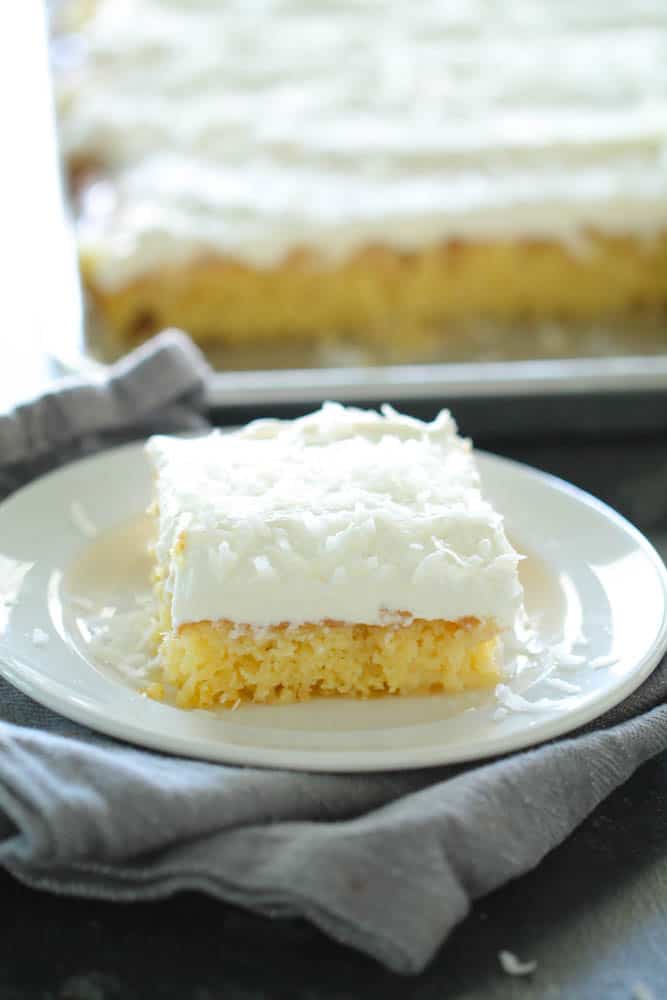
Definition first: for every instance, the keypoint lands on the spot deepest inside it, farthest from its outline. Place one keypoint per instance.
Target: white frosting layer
(249, 129)
(344, 514)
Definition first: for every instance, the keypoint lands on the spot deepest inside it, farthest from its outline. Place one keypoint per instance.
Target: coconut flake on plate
(558, 684)
(122, 639)
(81, 520)
(516, 702)
(599, 662)
(84, 603)
(39, 637)
(513, 965)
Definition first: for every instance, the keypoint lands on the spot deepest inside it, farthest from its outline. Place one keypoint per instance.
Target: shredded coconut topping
(344, 514)
(254, 128)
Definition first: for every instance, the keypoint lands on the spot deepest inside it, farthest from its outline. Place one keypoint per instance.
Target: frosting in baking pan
(250, 129)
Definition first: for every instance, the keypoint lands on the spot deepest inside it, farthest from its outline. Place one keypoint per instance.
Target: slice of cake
(348, 552)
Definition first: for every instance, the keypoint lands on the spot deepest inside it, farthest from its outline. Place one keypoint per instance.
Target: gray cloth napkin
(387, 863)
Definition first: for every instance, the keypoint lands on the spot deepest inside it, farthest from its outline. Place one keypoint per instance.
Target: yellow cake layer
(213, 663)
(383, 295)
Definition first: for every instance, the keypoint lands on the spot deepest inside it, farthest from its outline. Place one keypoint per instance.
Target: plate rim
(55, 695)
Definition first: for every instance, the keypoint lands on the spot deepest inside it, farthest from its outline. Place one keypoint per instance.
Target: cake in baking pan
(385, 171)
(347, 552)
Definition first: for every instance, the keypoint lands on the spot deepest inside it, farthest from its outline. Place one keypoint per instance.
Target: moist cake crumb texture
(214, 664)
(347, 552)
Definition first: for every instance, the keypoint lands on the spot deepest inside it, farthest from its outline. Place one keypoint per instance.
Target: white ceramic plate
(593, 584)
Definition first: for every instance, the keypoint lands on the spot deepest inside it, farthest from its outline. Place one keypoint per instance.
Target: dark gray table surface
(593, 914)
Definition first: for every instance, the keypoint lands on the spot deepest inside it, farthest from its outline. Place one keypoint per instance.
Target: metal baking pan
(624, 390)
